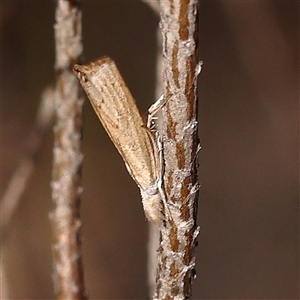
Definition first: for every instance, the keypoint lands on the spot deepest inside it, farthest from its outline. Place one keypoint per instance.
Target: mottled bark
(176, 258)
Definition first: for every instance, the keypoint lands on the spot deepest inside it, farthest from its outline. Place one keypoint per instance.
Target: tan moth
(119, 115)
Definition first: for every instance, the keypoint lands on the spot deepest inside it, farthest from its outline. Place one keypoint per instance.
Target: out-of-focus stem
(153, 241)
(18, 182)
(67, 157)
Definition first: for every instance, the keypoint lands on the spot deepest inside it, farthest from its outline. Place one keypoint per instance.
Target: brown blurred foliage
(249, 162)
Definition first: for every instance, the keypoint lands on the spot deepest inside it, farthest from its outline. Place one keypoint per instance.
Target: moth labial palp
(120, 116)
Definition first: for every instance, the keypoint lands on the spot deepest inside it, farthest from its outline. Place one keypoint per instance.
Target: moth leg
(157, 145)
(160, 173)
(157, 149)
(154, 108)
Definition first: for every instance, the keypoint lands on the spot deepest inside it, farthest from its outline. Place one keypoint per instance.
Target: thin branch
(11, 198)
(67, 156)
(153, 231)
(176, 257)
(153, 238)
(18, 182)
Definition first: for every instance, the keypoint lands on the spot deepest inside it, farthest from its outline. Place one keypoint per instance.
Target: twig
(176, 257)
(153, 230)
(154, 4)
(12, 195)
(67, 160)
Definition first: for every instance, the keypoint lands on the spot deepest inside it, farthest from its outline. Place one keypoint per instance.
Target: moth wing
(119, 114)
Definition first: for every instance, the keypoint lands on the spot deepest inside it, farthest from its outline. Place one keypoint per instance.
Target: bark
(176, 257)
(67, 160)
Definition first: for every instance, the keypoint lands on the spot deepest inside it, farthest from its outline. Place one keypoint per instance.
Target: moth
(120, 116)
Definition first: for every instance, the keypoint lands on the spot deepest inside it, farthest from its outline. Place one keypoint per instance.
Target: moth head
(82, 73)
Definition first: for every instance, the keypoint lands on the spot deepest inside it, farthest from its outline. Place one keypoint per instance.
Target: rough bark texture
(176, 258)
(66, 185)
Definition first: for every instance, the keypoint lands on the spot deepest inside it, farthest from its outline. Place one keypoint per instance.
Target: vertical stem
(67, 160)
(176, 257)
(153, 230)
(12, 196)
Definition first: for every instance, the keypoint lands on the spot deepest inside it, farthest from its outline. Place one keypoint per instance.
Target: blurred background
(249, 161)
